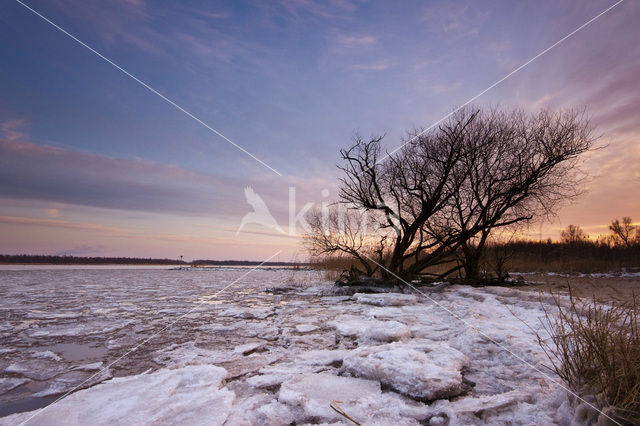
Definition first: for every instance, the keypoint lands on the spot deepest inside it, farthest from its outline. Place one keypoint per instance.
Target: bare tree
(573, 234)
(519, 167)
(341, 231)
(404, 194)
(442, 194)
(624, 233)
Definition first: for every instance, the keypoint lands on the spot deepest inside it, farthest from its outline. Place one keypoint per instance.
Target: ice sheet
(60, 327)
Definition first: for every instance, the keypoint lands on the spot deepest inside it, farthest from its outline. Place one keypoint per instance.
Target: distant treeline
(584, 256)
(577, 256)
(26, 259)
(205, 262)
(76, 260)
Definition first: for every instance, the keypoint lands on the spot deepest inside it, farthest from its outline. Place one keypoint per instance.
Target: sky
(93, 163)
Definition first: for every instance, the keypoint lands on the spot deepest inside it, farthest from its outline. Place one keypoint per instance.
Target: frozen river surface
(246, 356)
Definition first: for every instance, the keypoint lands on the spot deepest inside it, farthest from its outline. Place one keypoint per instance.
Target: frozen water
(70, 380)
(306, 328)
(419, 369)
(247, 348)
(370, 329)
(312, 394)
(89, 367)
(46, 355)
(190, 395)
(260, 409)
(93, 327)
(386, 299)
(59, 327)
(322, 357)
(35, 369)
(9, 383)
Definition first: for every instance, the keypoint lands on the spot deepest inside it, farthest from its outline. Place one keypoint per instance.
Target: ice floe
(312, 394)
(10, 383)
(189, 395)
(370, 329)
(306, 328)
(46, 355)
(386, 299)
(419, 369)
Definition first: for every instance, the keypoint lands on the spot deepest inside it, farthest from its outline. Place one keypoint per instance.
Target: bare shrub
(595, 349)
(573, 234)
(624, 233)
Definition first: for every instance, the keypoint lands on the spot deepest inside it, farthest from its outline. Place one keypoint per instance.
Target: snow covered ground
(249, 357)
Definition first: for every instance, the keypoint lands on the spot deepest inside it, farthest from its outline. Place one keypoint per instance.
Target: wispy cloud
(57, 223)
(82, 250)
(370, 67)
(13, 129)
(52, 212)
(40, 172)
(355, 42)
(455, 21)
(333, 9)
(214, 15)
(99, 229)
(30, 171)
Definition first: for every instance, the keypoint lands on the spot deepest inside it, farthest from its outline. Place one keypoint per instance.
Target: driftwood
(349, 288)
(373, 285)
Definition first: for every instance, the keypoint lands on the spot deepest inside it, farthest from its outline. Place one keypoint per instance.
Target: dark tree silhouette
(573, 234)
(447, 189)
(624, 233)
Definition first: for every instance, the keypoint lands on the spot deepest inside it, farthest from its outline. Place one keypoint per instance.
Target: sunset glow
(92, 163)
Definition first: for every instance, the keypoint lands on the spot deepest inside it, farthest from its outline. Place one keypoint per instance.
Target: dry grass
(595, 349)
(333, 266)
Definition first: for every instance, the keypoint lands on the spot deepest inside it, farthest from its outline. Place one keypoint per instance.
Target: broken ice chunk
(386, 299)
(418, 369)
(189, 395)
(10, 383)
(314, 392)
(46, 355)
(306, 328)
(370, 329)
(247, 348)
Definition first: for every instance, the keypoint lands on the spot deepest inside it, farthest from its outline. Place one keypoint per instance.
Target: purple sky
(93, 163)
